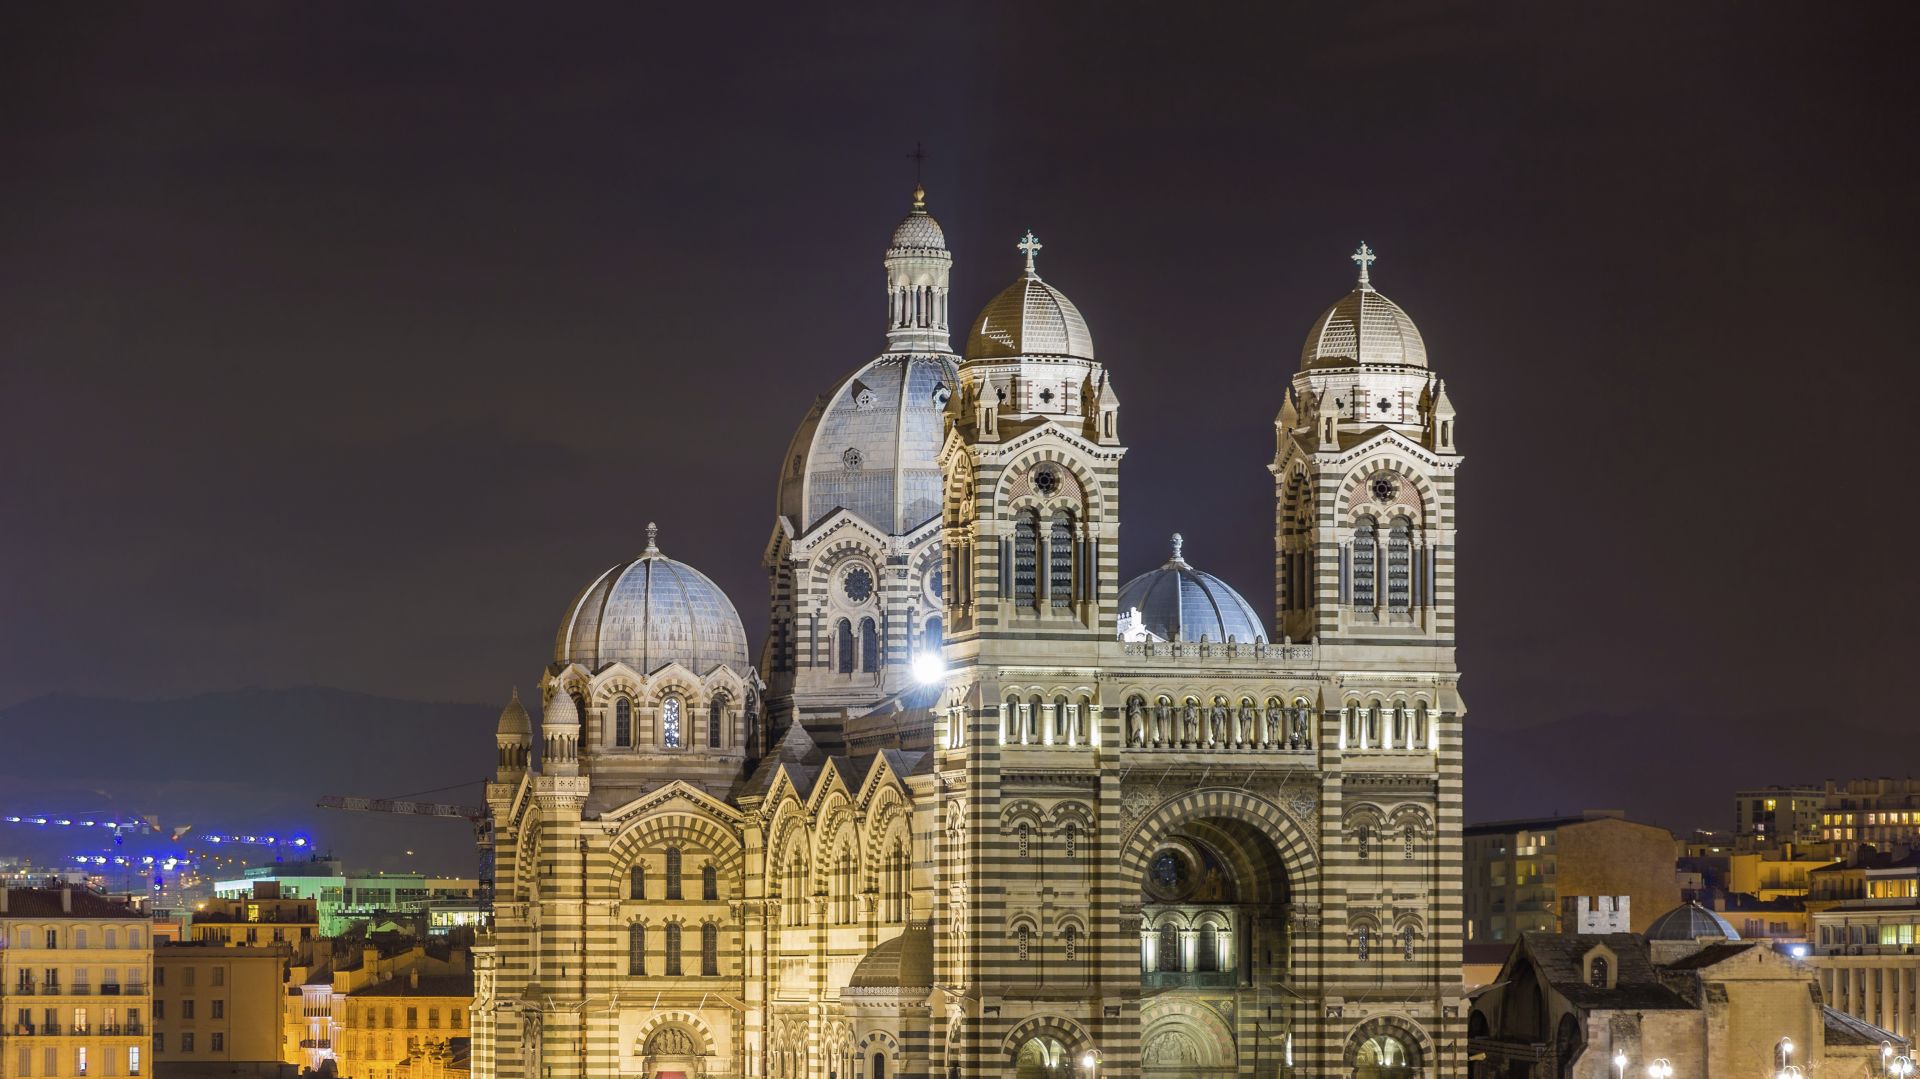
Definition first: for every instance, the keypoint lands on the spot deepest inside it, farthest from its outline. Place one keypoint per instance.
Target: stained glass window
(1363, 558)
(1399, 567)
(1026, 542)
(670, 728)
(1060, 562)
(622, 722)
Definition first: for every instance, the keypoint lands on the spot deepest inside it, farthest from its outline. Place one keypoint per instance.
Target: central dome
(650, 612)
(1030, 318)
(1363, 327)
(1179, 603)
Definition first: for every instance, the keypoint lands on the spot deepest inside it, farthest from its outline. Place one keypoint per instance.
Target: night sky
(341, 344)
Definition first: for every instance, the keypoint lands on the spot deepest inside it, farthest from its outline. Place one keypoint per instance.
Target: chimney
(4, 892)
(66, 899)
(413, 978)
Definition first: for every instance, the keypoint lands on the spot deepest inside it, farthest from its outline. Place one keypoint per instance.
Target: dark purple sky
(340, 344)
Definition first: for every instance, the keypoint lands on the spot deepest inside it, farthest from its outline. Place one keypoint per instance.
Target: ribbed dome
(561, 711)
(905, 961)
(1364, 327)
(650, 612)
(513, 718)
(1179, 603)
(1030, 318)
(1691, 921)
(871, 446)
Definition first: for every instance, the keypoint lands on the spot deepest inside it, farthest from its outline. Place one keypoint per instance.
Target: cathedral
(979, 808)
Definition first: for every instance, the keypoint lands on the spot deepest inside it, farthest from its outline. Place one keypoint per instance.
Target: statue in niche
(1190, 722)
(1249, 722)
(1273, 724)
(1136, 722)
(1163, 722)
(1217, 732)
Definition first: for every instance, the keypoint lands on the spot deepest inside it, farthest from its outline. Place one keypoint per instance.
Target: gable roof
(1560, 959)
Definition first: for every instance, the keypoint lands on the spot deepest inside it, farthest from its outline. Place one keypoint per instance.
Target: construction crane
(479, 818)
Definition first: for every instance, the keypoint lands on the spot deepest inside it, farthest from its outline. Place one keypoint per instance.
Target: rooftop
(64, 903)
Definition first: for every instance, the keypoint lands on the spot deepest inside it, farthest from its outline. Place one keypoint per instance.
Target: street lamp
(1791, 1071)
(1661, 1068)
(1620, 1065)
(1090, 1061)
(1901, 1066)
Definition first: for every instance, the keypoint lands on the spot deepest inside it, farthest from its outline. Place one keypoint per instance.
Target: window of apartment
(159, 1008)
(219, 1010)
(187, 976)
(186, 1041)
(159, 975)
(50, 1062)
(219, 1041)
(25, 1066)
(186, 1010)
(159, 1042)
(219, 975)
(80, 1060)
(133, 1060)
(53, 938)
(453, 1018)
(413, 1018)
(433, 1019)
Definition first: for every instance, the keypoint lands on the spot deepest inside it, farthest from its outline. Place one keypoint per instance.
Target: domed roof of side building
(871, 446)
(513, 718)
(905, 961)
(1691, 921)
(1179, 603)
(1029, 318)
(1363, 327)
(650, 612)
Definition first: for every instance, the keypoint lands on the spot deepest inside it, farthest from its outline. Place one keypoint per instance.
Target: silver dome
(1691, 921)
(871, 446)
(919, 232)
(1179, 603)
(650, 612)
(1363, 327)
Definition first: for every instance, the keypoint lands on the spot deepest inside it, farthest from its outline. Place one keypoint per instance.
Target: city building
(341, 898)
(1876, 812)
(215, 1001)
(951, 823)
(1687, 998)
(1865, 937)
(365, 1009)
(74, 971)
(262, 917)
(1766, 817)
(1518, 871)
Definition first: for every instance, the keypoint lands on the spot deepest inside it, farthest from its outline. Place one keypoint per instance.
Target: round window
(1046, 481)
(858, 584)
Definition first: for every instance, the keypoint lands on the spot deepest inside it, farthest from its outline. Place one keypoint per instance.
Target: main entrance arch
(1217, 870)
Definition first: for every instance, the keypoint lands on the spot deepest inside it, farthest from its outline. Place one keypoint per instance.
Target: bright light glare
(929, 668)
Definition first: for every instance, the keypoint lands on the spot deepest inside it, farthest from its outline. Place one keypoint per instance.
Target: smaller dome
(513, 718)
(561, 711)
(1691, 921)
(1179, 603)
(650, 612)
(905, 961)
(1363, 327)
(1030, 318)
(919, 231)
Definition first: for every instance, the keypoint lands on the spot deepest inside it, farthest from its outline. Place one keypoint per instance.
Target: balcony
(23, 989)
(25, 1030)
(316, 1043)
(1188, 979)
(109, 989)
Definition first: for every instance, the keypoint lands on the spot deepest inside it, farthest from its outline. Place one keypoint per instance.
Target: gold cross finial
(1365, 257)
(1031, 245)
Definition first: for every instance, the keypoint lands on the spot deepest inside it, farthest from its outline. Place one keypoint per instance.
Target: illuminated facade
(956, 819)
(74, 972)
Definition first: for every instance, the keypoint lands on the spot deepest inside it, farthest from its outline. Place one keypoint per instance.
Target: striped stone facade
(1161, 858)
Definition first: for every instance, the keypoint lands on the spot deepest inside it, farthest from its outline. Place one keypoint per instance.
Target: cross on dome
(1031, 245)
(1365, 257)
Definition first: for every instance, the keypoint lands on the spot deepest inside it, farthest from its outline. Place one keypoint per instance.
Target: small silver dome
(1179, 603)
(919, 231)
(650, 612)
(1030, 318)
(1691, 921)
(872, 446)
(560, 711)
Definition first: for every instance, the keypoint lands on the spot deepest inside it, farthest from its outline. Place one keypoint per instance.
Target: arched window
(796, 889)
(1010, 722)
(673, 949)
(1025, 942)
(879, 1066)
(716, 717)
(636, 949)
(843, 650)
(673, 872)
(1400, 566)
(1364, 549)
(869, 646)
(1209, 949)
(1362, 836)
(1382, 1057)
(637, 881)
(1072, 838)
(935, 636)
(1406, 942)
(110, 938)
(622, 722)
(1026, 543)
(1071, 939)
(1361, 939)
(709, 882)
(1060, 561)
(672, 730)
(710, 950)
(1597, 972)
(1062, 715)
(1169, 948)
(1026, 835)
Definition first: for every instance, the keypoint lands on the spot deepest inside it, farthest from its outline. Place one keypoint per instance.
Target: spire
(653, 535)
(1031, 245)
(1366, 258)
(1178, 543)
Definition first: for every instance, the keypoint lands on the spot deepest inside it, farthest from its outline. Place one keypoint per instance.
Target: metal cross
(919, 158)
(1031, 245)
(1365, 257)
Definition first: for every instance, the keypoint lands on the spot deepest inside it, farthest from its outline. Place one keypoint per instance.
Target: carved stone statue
(1273, 724)
(1190, 722)
(1136, 723)
(1218, 727)
(1249, 724)
(1162, 722)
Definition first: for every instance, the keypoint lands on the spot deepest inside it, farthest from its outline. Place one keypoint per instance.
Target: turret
(918, 267)
(513, 738)
(560, 728)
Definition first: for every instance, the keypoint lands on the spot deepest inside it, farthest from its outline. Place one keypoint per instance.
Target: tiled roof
(47, 903)
(1559, 957)
(431, 985)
